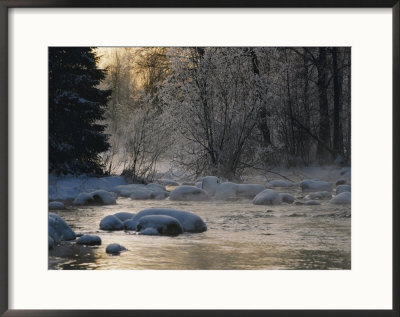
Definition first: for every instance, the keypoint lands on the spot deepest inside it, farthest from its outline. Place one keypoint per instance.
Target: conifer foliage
(76, 109)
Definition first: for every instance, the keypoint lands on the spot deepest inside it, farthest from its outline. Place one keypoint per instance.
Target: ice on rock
(161, 225)
(59, 230)
(287, 198)
(249, 190)
(189, 221)
(341, 199)
(280, 183)
(319, 195)
(124, 215)
(315, 185)
(210, 184)
(115, 249)
(55, 205)
(168, 182)
(88, 239)
(98, 197)
(268, 197)
(342, 189)
(111, 223)
(188, 193)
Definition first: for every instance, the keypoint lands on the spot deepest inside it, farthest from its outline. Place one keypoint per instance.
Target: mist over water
(240, 236)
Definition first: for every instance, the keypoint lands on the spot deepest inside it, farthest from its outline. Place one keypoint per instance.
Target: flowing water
(240, 236)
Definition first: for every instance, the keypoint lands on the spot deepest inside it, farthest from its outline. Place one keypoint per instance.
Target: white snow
(97, 197)
(210, 184)
(249, 190)
(59, 230)
(287, 198)
(280, 183)
(140, 191)
(163, 225)
(319, 195)
(188, 193)
(267, 197)
(226, 190)
(124, 216)
(315, 185)
(88, 239)
(189, 221)
(54, 205)
(68, 187)
(342, 189)
(312, 202)
(115, 249)
(341, 199)
(111, 223)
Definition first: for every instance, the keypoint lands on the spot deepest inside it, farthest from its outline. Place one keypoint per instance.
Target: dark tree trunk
(337, 104)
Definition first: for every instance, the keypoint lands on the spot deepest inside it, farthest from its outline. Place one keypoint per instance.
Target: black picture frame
(5, 5)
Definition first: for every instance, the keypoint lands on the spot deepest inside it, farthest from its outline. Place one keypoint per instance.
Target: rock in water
(89, 240)
(188, 193)
(267, 197)
(59, 230)
(189, 221)
(342, 199)
(111, 223)
(162, 225)
(115, 249)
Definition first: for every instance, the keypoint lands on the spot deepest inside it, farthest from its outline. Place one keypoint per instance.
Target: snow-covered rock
(149, 193)
(280, 183)
(287, 198)
(199, 184)
(226, 191)
(315, 185)
(312, 203)
(189, 183)
(111, 223)
(124, 215)
(342, 189)
(188, 193)
(268, 197)
(168, 182)
(88, 239)
(319, 195)
(98, 197)
(130, 224)
(249, 190)
(341, 181)
(156, 187)
(189, 221)
(127, 190)
(341, 199)
(55, 205)
(115, 249)
(162, 225)
(210, 184)
(51, 243)
(59, 230)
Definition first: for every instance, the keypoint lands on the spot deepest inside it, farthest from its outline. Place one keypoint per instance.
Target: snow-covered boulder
(341, 199)
(88, 239)
(59, 230)
(226, 191)
(168, 182)
(51, 243)
(56, 205)
(319, 195)
(210, 184)
(115, 249)
(267, 197)
(342, 189)
(189, 221)
(188, 193)
(124, 215)
(280, 183)
(155, 186)
(287, 198)
(111, 223)
(189, 183)
(341, 181)
(315, 185)
(249, 190)
(130, 224)
(159, 225)
(199, 184)
(127, 190)
(149, 193)
(312, 203)
(98, 197)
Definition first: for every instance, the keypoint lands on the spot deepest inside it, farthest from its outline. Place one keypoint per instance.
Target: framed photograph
(184, 159)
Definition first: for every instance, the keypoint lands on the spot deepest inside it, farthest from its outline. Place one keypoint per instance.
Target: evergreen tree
(76, 108)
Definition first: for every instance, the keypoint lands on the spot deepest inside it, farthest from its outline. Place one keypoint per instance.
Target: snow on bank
(69, 187)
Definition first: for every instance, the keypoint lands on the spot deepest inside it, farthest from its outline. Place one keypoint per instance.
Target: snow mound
(127, 190)
(59, 230)
(156, 186)
(98, 197)
(189, 221)
(341, 199)
(188, 193)
(312, 203)
(54, 205)
(268, 197)
(319, 195)
(130, 224)
(162, 225)
(199, 184)
(226, 191)
(341, 181)
(342, 189)
(249, 190)
(210, 184)
(315, 185)
(287, 198)
(51, 243)
(111, 223)
(115, 249)
(88, 239)
(280, 183)
(142, 194)
(124, 215)
(168, 182)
